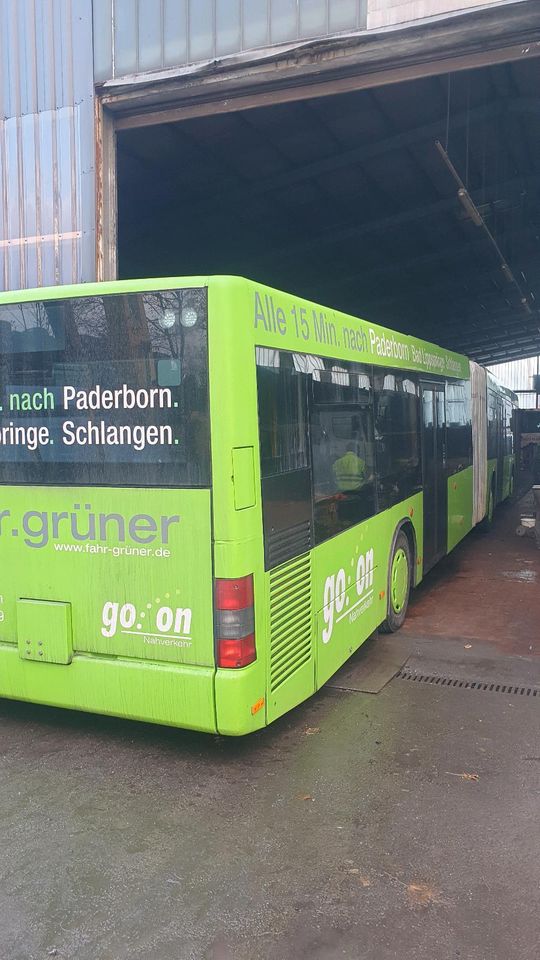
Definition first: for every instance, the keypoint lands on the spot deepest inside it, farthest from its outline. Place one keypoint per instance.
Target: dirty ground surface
(487, 589)
(402, 824)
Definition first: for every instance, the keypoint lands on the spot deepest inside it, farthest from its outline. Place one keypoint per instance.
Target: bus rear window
(109, 390)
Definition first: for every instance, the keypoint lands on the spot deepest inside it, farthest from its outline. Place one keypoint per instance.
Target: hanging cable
(473, 212)
(449, 75)
(467, 128)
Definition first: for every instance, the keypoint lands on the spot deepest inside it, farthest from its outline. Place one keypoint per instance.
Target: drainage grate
(490, 687)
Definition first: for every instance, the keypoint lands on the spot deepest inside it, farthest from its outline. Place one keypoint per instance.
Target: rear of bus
(107, 593)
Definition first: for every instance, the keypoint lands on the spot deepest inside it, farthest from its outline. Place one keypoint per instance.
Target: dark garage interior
(348, 201)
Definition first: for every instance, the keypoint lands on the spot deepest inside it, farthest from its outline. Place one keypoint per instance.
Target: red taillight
(234, 594)
(235, 624)
(236, 653)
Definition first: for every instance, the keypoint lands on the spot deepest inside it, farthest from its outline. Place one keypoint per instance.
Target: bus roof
(384, 346)
(61, 292)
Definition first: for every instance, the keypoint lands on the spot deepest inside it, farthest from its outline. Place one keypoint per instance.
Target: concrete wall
(385, 13)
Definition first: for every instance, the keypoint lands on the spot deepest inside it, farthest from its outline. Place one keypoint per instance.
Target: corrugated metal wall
(134, 36)
(517, 375)
(47, 181)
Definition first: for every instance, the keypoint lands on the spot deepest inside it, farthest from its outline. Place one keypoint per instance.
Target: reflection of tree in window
(107, 342)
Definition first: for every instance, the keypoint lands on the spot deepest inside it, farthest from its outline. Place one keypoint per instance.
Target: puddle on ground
(523, 576)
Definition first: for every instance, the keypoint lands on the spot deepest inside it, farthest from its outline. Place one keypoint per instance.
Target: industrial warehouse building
(380, 156)
(213, 493)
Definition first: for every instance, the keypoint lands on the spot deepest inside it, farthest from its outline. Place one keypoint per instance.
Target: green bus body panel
(286, 322)
(165, 581)
(363, 554)
(340, 620)
(119, 600)
(240, 697)
(460, 506)
(508, 475)
(155, 692)
(132, 632)
(243, 465)
(279, 319)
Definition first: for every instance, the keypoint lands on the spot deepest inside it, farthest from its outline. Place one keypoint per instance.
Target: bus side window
(285, 461)
(509, 436)
(397, 436)
(342, 443)
(130, 374)
(458, 425)
(493, 425)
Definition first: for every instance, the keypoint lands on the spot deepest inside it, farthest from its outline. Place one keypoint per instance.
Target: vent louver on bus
(290, 619)
(282, 545)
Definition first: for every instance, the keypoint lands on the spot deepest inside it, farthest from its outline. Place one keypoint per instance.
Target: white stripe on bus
(364, 596)
(167, 636)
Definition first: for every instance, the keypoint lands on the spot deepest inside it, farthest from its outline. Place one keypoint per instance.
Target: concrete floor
(366, 827)
(487, 589)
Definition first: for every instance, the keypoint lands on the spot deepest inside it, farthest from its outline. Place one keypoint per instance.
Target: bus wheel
(399, 584)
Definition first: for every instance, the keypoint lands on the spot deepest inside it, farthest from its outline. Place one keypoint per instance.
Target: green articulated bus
(213, 492)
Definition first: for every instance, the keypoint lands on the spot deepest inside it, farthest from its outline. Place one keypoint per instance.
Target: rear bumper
(171, 694)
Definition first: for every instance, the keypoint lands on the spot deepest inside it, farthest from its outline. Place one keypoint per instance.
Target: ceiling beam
(485, 338)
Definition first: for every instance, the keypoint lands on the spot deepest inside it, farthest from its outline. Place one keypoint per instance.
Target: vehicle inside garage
(415, 205)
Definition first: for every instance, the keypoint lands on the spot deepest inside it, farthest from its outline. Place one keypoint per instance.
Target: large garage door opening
(414, 205)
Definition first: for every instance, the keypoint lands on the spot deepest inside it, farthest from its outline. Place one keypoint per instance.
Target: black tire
(395, 618)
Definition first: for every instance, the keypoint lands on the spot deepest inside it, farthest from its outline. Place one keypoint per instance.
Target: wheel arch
(395, 617)
(406, 525)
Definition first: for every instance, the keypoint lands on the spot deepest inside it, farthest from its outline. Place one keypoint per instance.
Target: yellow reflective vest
(349, 472)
